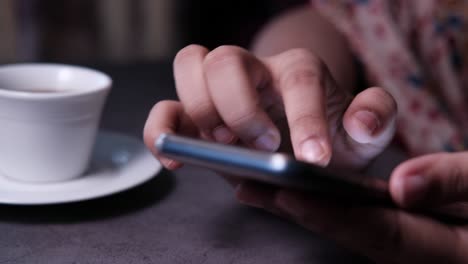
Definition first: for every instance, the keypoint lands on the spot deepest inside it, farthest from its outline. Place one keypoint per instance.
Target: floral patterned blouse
(418, 51)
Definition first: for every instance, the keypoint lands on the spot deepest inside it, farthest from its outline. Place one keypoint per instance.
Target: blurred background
(124, 31)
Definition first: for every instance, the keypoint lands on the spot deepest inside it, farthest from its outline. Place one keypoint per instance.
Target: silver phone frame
(273, 168)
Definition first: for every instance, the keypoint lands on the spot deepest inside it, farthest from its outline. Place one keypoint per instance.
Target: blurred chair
(8, 31)
(90, 30)
(136, 29)
(125, 30)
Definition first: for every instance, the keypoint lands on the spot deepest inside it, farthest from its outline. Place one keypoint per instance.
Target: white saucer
(118, 163)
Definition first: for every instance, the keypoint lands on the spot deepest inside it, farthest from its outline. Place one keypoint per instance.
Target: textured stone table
(189, 216)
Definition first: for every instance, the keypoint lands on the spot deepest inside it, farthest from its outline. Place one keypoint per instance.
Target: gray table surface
(187, 216)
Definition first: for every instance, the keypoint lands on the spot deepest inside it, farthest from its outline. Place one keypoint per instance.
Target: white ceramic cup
(49, 117)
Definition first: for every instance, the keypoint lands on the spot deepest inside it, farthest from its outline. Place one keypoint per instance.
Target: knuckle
(384, 97)
(300, 54)
(162, 105)
(202, 112)
(242, 118)
(199, 111)
(223, 55)
(189, 52)
(300, 77)
(306, 127)
(313, 122)
(301, 67)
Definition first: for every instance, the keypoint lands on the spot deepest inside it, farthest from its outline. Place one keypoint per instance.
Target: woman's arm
(303, 27)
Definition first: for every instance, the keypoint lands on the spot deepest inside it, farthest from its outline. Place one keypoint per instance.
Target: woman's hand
(288, 101)
(437, 182)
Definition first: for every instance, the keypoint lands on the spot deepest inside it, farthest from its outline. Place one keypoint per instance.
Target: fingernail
(268, 141)
(169, 163)
(223, 134)
(414, 189)
(313, 151)
(369, 121)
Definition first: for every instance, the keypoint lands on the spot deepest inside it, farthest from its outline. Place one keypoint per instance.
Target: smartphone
(274, 168)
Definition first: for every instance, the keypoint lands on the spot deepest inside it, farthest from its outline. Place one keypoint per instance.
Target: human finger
(234, 77)
(369, 126)
(304, 81)
(436, 179)
(193, 93)
(167, 117)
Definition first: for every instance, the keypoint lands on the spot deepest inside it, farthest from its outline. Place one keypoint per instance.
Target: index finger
(304, 83)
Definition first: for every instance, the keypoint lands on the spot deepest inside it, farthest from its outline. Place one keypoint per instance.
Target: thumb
(436, 179)
(369, 125)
